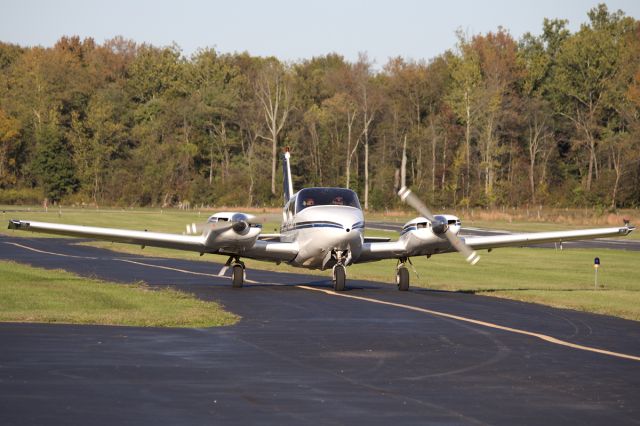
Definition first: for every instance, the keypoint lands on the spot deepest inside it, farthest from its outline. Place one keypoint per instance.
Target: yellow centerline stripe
(544, 337)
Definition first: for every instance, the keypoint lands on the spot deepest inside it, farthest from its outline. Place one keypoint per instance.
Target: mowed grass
(154, 220)
(563, 279)
(29, 294)
(557, 278)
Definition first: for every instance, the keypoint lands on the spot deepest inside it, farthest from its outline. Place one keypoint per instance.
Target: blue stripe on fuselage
(312, 224)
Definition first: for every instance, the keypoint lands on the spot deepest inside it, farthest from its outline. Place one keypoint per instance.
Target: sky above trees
(289, 29)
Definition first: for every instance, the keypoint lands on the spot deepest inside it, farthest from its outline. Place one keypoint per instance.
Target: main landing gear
(402, 275)
(238, 274)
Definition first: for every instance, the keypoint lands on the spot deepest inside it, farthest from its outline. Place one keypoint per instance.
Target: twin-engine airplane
(322, 228)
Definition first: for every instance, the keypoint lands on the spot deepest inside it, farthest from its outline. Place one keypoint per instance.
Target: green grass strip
(29, 294)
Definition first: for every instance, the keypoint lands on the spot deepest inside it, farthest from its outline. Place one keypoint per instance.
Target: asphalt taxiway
(304, 355)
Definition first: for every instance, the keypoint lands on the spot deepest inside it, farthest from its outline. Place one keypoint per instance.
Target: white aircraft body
(322, 228)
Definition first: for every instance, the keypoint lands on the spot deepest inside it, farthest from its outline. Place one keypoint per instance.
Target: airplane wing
(143, 238)
(527, 239)
(269, 237)
(413, 244)
(376, 239)
(226, 240)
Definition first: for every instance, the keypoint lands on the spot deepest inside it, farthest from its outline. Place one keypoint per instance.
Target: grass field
(556, 278)
(30, 294)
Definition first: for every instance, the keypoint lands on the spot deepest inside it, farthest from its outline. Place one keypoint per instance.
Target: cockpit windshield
(326, 197)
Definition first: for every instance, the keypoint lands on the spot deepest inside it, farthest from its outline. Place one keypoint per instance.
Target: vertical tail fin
(286, 171)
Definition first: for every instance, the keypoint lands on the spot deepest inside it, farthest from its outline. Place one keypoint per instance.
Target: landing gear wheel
(339, 278)
(402, 278)
(238, 276)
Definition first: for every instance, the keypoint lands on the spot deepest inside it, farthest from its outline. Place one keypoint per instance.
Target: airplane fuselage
(325, 232)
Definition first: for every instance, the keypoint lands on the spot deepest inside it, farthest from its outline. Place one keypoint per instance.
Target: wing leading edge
(527, 239)
(212, 242)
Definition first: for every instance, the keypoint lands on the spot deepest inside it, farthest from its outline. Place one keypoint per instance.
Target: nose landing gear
(339, 271)
(339, 277)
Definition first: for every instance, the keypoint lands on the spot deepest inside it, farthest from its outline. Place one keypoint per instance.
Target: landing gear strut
(402, 275)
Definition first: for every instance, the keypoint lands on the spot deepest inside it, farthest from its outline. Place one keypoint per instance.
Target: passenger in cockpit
(338, 201)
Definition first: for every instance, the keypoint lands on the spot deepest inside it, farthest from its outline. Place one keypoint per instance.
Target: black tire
(340, 278)
(238, 276)
(402, 278)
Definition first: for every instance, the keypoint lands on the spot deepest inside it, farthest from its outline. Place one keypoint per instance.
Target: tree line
(550, 119)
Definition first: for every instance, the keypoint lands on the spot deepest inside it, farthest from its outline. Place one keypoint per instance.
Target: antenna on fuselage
(286, 171)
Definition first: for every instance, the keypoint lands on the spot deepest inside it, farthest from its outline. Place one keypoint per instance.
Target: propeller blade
(467, 252)
(410, 198)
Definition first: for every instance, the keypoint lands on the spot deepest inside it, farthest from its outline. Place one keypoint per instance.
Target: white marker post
(596, 265)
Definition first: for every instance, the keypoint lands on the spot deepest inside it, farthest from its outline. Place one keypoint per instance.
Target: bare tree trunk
(616, 157)
(433, 161)
(211, 165)
(273, 93)
(584, 123)
(534, 143)
(274, 160)
(315, 152)
(251, 178)
(351, 117)
(444, 162)
(365, 131)
(366, 169)
(403, 164)
(488, 158)
(467, 137)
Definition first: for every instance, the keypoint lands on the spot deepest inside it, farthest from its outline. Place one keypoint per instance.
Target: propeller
(438, 226)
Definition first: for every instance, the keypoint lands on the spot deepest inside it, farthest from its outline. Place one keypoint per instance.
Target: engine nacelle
(422, 237)
(230, 217)
(438, 227)
(452, 222)
(231, 231)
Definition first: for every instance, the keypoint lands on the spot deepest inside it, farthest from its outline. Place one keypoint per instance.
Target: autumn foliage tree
(552, 119)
